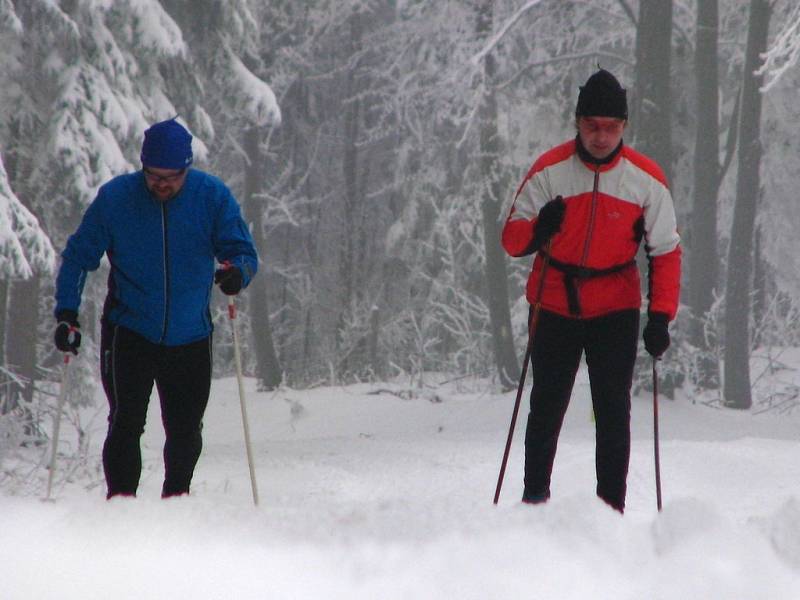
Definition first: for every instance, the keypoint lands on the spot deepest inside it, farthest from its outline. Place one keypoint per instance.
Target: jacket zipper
(166, 270)
(591, 217)
(587, 243)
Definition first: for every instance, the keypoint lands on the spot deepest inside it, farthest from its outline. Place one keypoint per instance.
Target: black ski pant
(610, 343)
(182, 374)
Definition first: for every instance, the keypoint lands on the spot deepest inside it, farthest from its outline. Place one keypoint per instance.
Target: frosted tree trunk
(761, 285)
(652, 97)
(737, 392)
(351, 165)
(650, 107)
(4, 340)
(268, 368)
(496, 270)
(703, 270)
(346, 231)
(23, 323)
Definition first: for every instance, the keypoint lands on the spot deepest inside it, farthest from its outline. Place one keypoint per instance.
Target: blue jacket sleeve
(232, 239)
(83, 252)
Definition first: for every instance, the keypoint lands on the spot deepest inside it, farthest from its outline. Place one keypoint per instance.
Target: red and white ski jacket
(608, 209)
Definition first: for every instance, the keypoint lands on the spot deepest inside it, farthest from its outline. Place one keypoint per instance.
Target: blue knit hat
(167, 145)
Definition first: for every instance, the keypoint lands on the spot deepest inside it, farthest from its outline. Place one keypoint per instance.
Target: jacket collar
(598, 164)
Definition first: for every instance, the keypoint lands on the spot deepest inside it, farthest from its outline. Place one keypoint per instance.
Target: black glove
(68, 331)
(548, 222)
(229, 279)
(656, 334)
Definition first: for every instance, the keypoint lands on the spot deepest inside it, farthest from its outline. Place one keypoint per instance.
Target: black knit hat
(602, 96)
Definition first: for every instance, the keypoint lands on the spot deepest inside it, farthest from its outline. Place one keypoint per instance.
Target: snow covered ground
(374, 496)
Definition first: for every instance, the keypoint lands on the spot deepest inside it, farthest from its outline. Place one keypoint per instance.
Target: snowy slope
(375, 496)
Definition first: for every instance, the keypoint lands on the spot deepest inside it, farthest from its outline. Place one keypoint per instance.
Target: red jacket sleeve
(517, 237)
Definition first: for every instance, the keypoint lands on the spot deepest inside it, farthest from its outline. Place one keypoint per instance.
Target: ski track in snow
(373, 496)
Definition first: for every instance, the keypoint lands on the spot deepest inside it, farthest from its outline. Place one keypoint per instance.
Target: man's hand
(67, 335)
(229, 279)
(548, 222)
(656, 334)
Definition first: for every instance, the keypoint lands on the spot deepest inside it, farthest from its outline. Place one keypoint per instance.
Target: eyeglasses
(607, 126)
(155, 178)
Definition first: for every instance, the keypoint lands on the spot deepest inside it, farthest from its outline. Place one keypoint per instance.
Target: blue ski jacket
(161, 254)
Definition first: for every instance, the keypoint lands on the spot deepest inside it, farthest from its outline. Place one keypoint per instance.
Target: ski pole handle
(231, 308)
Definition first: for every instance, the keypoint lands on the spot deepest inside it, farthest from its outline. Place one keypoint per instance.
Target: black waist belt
(575, 273)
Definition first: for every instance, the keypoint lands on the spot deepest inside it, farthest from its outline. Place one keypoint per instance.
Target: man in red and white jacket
(585, 207)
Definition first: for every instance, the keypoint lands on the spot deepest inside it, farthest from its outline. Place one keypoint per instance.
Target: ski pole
(528, 351)
(245, 424)
(655, 433)
(62, 395)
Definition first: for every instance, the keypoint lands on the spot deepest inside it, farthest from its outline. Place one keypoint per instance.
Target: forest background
(375, 146)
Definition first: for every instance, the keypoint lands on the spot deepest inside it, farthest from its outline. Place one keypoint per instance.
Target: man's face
(164, 184)
(600, 135)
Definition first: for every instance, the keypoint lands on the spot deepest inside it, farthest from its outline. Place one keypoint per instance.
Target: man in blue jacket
(162, 228)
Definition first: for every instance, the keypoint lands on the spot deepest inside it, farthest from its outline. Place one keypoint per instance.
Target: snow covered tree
(492, 201)
(84, 84)
(329, 181)
(784, 51)
(24, 246)
(404, 126)
(24, 250)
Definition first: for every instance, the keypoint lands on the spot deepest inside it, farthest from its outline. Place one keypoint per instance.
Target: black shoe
(530, 498)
